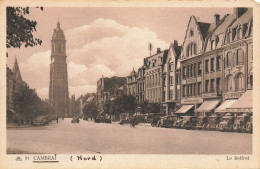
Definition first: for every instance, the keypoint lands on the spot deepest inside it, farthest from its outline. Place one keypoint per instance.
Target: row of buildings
(212, 71)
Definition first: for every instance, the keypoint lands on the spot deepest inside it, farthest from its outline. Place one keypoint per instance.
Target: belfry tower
(58, 89)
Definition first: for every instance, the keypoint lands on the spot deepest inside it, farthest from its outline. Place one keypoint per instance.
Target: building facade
(58, 87)
(105, 86)
(154, 76)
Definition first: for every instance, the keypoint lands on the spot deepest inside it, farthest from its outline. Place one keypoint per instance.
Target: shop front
(223, 108)
(185, 110)
(207, 107)
(243, 105)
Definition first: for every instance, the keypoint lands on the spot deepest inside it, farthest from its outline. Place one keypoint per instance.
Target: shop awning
(184, 109)
(208, 105)
(226, 104)
(243, 104)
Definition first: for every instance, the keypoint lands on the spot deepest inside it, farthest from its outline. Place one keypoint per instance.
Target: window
(177, 79)
(229, 83)
(191, 70)
(228, 60)
(206, 66)
(183, 90)
(245, 27)
(228, 36)
(199, 68)
(194, 89)
(195, 48)
(212, 44)
(212, 64)
(188, 90)
(171, 80)
(240, 57)
(240, 82)
(184, 72)
(218, 85)
(191, 88)
(212, 84)
(188, 51)
(238, 33)
(188, 71)
(191, 33)
(251, 80)
(199, 88)
(194, 69)
(233, 34)
(206, 86)
(171, 94)
(218, 63)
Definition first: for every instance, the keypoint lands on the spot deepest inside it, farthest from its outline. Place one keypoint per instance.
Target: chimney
(239, 12)
(175, 43)
(217, 17)
(158, 50)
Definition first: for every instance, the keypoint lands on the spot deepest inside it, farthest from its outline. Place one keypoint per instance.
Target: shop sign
(192, 80)
(232, 95)
(192, 100)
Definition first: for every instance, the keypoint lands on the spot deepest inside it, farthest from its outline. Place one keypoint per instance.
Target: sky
(102, 41)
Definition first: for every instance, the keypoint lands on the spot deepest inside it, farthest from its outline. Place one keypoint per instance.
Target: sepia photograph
(128, 81)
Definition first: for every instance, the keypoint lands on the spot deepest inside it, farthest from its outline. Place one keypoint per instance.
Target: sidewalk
(14, 125)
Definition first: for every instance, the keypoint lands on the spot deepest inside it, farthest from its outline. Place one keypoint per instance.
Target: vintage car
(168, 121)
(178, 122)
(40, 121)
(124, 121)
(213, 122)
(240, 123)
(189, 122)
(154, 118)
(102, 119)
(249, 125)
(202, 122)
(226, 123)
(75, 120)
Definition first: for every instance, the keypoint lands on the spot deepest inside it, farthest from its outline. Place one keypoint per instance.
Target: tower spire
(58, 25)
(16, 70)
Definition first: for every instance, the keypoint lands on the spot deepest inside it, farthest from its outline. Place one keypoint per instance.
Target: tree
(90, 110)
(20, 29)
(125, 104)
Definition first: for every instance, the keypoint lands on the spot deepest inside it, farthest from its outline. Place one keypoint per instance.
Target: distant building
(72, 107)
(105, 86)
(132, 84)
(13, 82)
(58, 88)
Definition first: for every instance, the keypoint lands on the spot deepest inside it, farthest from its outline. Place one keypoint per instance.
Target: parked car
(154, 118)
(102, 119)
(213, 122)
(189, 122)
(124, 121)
(40, 121)
(202, 122)
(168, 121)
(249, 125)
(240, 123)
(227, 123)
(178, 122)
(75, 120)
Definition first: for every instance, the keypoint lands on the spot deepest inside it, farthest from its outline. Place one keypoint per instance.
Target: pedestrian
(57, 119)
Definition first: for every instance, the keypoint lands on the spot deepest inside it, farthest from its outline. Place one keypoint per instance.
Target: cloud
(103, 47)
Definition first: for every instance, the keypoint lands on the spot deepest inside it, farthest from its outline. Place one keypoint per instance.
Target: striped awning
(208, 105)
(226, 104)
(184, 109)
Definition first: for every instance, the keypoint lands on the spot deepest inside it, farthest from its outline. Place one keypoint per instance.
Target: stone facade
(105, 86)
(58, 88)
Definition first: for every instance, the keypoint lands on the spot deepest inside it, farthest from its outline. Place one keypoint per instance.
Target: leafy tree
(125, 104)
(20, 29)
(90, 110)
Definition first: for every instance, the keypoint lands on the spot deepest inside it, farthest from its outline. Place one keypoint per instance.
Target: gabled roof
(243, 18)
(132, 73)
(204, 28)
(16, 71)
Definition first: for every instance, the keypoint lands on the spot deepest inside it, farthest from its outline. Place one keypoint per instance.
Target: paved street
(90, 137)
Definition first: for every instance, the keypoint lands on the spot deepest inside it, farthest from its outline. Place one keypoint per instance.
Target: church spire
(16, 70)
